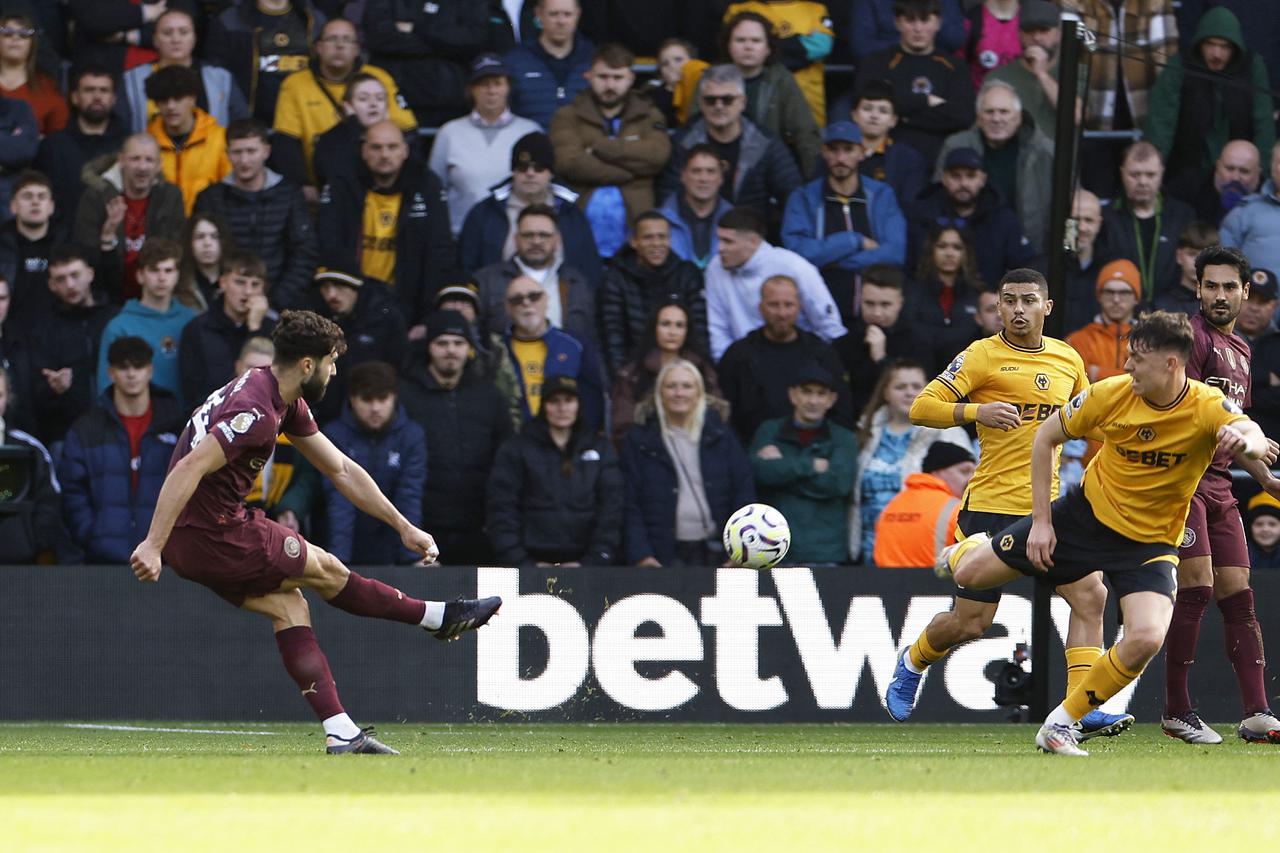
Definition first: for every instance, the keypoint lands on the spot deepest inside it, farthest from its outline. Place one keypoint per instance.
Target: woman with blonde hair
(685, 473)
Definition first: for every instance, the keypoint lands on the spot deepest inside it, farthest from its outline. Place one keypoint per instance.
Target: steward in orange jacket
(921, 519)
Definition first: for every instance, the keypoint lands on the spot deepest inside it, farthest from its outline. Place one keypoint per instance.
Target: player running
(1160, 431)
(1214, 559)
(202, 528)
(1013, 381)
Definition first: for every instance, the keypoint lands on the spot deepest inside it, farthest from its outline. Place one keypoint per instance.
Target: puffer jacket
(556, 506)
(536, 91)
(766, 169)
(632, 291)
(202, 160)
(993, 228)
(31, 527)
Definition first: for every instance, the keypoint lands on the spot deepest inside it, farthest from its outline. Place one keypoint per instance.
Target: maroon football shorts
(250, 559)
(1214, 529)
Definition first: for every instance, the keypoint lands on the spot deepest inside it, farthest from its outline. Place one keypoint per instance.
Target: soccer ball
(757, 537)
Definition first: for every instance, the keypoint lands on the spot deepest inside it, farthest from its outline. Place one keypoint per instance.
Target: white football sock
(1059, 716)
(340, 725)
(433, 618)
(906, 661)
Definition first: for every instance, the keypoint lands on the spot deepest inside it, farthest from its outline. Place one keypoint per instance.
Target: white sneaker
(1059, 740)
(1261, 727)
(1188, 727)
(942, 565)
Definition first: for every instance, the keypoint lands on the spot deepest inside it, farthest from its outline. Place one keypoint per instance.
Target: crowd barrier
(581, 644)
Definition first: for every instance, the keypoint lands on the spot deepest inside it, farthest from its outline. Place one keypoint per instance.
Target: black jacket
(30, 297)
(465, 426)
(1119, 239)
(1265, 397)
(577, 299)
(993, 229)
(632, 291)
(424, 243)
(63, 155)
(32, 524)
(944, 336)
(336, 153)
(902, 340)
(207, 353)
(96, 21)
(232, 42)
(68, 337)
(552, 505)
(275, 224)
(914, 78)
(374, 331)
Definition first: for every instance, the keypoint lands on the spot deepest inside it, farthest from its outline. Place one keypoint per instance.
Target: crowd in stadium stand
(607, 269)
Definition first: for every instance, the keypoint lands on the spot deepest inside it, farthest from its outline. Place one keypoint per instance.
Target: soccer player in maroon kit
(202, 528)
(1214, 557)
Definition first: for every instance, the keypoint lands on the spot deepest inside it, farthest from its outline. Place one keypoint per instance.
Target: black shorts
(1086, 545)
(969, 522)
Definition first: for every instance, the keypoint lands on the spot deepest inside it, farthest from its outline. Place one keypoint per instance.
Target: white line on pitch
(113, 728)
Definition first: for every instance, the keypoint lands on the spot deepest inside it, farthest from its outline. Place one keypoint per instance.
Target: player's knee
(1230, 581)
(1143, 641)
(1089, 600)
(967, 574)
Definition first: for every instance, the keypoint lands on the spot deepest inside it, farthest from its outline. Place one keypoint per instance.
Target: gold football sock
(1079, 659)
(922, 654)
(964, 546)
(1105, 678)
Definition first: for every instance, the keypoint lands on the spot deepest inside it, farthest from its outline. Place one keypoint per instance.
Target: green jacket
(815, 505)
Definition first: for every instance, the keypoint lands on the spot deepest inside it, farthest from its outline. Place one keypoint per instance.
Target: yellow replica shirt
(378, 235)
(1141, 482)
(1038, 381)
(531, 356)
(797, 18)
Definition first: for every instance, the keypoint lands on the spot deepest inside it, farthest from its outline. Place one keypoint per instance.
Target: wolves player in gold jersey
(1160, 431)
(1009, 384)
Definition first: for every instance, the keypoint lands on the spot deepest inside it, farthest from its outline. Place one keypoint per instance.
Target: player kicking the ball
(1160, 431)
(202, 528)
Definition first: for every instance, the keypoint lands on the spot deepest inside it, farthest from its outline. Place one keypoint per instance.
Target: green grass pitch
(624, 787)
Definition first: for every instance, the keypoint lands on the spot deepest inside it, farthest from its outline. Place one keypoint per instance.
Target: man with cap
(1257, 313)
(963, 199)
(470, 154)
(465, 419)
(462, 294)
(1264, 366)
(1034, 74)
(843, 222)
(921, 519)
(1104, 343)
(804, 465)
(373, 327)
(489, 229)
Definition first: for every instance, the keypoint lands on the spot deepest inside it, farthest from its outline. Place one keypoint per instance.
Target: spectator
(804, 465)
(92, 132)
(1081, 275)
(19, 78)
(469, 153)
(1104, 344)
(803, 38)
(757, 370)
(1236, 173)
(489, 350)
(873, 27)
(609, 144)
(947, 285)
(428, 46)
(759, 170)
(154, 317)
(29, 528)
(666, 339)
(988, 317)
(19, 141)
(205, 238)
(193, 147)
(843, 223)
(267, 214)
(891, 449)
(375, 432)
(1184, 296)
(684, 449)
(774, 101)
(25, 244)
(539, 350)
(570, 301)
(900, 166)
(549, 69)
(116, 456)
(1264, 532)
(114, 34)
(744, 262)
(1015, 157)
(64, 345)
(336, 153)
(489, 230)
(555, 494)
(641, 277)
(1218, 92)
(1264, 395)
(933, 92)
(963, 200)
(310, 100)
(1253, 226)
(1143, 223)
(175, 44)
(695, 208)
(371, 324)
(211, 343)
(15, 360)
(397, 208)
(991, 37)
(881, 333)
(466, 419)
(261, 42)
(1033, 74)
(1257, 312)
(921, 519)
(670, 91)
(126, 199)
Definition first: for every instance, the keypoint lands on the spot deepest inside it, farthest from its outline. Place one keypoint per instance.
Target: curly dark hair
(1163, 330)
(305, 333)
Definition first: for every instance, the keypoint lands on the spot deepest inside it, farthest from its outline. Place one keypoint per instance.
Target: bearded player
(1213, 558)
(202, 528)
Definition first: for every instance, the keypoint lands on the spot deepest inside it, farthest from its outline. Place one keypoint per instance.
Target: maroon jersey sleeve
(298, 420)
(241, 431)
(1201, 349)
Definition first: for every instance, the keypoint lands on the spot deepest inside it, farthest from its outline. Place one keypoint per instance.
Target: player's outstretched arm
(355, 484)
(178, 487)
(1244, 439)
(1042, 539)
